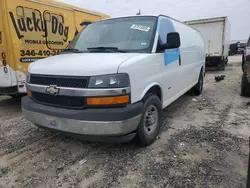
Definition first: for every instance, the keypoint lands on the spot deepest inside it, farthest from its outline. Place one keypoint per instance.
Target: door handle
(179, 60)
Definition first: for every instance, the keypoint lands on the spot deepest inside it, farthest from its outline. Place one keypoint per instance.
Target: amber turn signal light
(29, 93)
(108, 100)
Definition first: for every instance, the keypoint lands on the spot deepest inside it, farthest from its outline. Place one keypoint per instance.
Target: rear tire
(226, 61)
(245, 86)
(198, 88)
(151, 120)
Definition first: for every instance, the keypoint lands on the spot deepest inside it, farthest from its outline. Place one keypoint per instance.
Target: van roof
(156, 15)
(58, 4)
(145, 15)
(206, 20)
(152, 15)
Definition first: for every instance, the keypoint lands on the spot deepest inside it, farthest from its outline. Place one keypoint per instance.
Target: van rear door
(5, 75)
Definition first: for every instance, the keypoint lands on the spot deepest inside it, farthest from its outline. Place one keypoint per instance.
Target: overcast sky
(238, 11)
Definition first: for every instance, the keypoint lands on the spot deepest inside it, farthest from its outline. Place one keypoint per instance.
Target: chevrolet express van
(115, 77)
(32, 30)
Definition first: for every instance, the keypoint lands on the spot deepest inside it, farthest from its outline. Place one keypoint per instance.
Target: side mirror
(173, 41)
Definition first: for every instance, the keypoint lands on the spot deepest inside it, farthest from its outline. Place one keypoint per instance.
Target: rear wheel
(198, 88)
(151, 119)
(245, 86)
(226, 60)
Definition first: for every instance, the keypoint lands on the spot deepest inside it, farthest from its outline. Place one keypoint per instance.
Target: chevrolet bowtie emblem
(52, 90)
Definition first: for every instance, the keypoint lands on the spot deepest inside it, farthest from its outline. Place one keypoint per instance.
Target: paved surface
(203, 143)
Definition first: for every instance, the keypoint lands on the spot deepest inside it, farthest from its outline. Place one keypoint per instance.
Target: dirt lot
(203, 143)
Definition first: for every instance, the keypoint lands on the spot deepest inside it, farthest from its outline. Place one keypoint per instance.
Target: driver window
(166, 26)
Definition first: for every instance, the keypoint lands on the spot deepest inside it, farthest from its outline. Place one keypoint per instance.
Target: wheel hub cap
(151, 119)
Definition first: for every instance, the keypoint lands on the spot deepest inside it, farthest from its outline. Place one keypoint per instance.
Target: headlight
(109, 81)
(28, 78)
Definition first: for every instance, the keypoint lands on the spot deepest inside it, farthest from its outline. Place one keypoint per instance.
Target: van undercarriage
(216, 62)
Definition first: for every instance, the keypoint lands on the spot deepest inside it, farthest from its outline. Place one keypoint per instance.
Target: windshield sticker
(143, 44)
(140, 27)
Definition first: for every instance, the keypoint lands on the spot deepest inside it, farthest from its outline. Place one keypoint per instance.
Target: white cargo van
(115, 77)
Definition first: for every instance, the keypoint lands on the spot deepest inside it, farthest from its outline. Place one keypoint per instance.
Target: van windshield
(131, 34)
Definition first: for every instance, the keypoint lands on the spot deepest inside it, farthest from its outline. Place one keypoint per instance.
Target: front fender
(149, 87)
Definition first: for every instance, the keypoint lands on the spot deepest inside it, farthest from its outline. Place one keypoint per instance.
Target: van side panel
(192, 53)
(175, 71)
(145, 71)
(7, 73)
(171, 71)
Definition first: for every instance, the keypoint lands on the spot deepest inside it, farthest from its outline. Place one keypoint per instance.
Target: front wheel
(151, 119)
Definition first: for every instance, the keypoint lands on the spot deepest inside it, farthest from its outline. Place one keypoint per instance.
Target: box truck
(32, 30)
(216, 36)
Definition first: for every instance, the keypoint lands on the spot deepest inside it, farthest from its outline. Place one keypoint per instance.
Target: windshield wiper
(73, 50)
(106, 48)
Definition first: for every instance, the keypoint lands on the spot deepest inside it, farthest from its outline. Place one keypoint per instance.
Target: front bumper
(108, 122)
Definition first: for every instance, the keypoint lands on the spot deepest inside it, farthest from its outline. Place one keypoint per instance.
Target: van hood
(80, 64)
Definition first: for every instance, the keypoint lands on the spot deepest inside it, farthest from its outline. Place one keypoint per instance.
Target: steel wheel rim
(151, 119)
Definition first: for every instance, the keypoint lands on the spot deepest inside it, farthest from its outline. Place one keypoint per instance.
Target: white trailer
(216, 36)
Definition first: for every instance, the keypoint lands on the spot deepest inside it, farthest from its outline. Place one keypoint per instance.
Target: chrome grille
(60, 81)
(60, 101)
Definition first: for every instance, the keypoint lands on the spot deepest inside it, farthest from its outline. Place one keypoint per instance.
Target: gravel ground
(203, 143)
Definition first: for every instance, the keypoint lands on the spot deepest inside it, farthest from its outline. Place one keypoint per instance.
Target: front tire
(151, 120)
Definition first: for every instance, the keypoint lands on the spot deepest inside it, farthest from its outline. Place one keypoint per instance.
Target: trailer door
(212, 34)
(5, 75)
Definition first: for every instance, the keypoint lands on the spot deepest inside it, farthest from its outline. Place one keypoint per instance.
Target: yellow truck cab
(32, 30)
